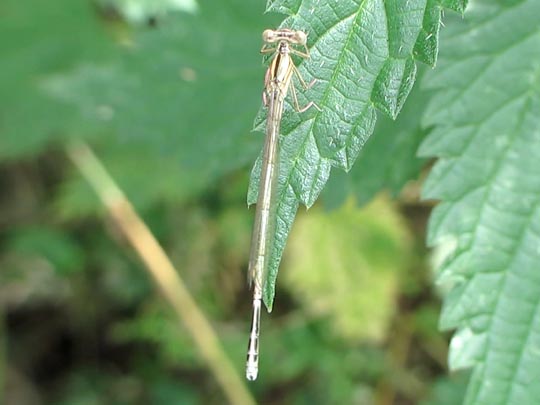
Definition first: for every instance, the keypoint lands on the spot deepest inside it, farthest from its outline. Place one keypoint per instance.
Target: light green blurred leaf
(346, 265)
(487, 136)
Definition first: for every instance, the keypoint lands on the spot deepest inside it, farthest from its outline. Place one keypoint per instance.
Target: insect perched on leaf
(276, 84)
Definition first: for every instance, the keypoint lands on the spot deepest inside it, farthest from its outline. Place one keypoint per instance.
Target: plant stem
(162, 271)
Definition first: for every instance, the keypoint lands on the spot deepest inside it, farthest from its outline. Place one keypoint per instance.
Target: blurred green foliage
(342, 262)
(177, 92)
(486, 138)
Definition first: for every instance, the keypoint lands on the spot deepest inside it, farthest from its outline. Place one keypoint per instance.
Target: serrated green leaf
(363, 56)
(427, 44)
(288, 7)
(456, 5)
(487, 135)
(391, 93)
(388, 159)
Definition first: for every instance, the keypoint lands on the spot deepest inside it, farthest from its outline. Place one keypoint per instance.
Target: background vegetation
(166, 94)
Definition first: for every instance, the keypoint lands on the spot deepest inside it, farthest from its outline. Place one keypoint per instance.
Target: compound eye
(301, 37)
(269, 36)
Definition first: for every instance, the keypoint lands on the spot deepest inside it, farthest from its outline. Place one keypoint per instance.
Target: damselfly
(276, 84)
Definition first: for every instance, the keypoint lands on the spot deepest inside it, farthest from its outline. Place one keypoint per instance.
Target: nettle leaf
(363, 56)
(487, 135)
(388, 159)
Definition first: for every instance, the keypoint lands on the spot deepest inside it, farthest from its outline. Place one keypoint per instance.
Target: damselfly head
(284, 34)
(268, 36)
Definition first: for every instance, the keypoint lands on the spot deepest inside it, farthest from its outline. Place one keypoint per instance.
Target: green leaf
(388, 159)
(363, 57)
(487, 136)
